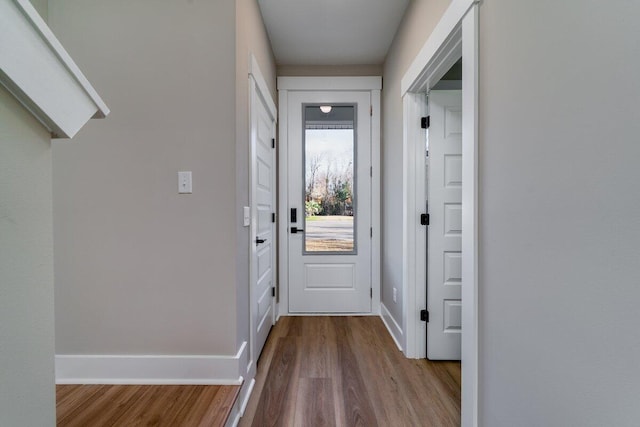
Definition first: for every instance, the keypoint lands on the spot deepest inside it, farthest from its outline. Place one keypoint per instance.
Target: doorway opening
(443, 204)
(455, 36)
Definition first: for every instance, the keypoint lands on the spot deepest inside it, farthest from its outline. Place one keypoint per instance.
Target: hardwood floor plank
(78, 402)
(357, 405)
(262, 370)
(369, 381)
(165, 401)
(62, 391)
(293, 326)
(223, 403)
(275, 406)
(144, 405)
(110, 407)
(135, 413)
(315, 352)
(422, 385)
(314, 403)
(388, 397)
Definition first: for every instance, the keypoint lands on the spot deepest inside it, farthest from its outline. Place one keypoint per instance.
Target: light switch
(246, 216)
(185, 185)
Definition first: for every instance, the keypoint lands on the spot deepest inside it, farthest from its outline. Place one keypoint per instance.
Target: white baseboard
(392, 326)
(241, 403)
(152, 369)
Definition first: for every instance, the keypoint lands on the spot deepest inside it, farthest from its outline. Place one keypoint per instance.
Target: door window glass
(329, 146)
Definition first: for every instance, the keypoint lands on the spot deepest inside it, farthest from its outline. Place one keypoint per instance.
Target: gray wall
(141, 269)
(27, 394)
(559, 213)
(418, 23)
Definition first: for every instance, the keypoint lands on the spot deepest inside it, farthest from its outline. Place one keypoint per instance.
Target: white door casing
(330, 282)
(444, 259)
(455, 35)
(263, 208)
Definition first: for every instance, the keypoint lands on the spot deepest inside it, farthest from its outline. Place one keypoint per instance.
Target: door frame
(258, 88)
(372, 84)
(454, 36)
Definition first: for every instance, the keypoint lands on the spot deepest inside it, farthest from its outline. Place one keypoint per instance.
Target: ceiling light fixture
(325, 109)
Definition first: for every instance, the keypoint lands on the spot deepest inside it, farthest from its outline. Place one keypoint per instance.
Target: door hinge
(371, 293)
(371, 110)
(273, 143)
(371, 171)
(371, 232)
(424, 219)
(424, 122)
(424, 315)
(273, 217)
(273, 291)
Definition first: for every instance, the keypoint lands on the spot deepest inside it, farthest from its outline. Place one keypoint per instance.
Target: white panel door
(329, 193)
(263, 198)
(444, 182)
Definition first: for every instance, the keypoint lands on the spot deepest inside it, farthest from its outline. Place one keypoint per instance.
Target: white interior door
(444, 259)
(329, 194)
(263, 199)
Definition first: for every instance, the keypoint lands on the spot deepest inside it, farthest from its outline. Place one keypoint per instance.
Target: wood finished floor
(347, 371)
(148, 405)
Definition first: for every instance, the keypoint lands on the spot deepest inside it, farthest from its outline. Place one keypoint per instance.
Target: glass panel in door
(329, 147)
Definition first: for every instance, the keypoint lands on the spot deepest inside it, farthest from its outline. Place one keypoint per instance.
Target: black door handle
(295, 230)
(258, 240)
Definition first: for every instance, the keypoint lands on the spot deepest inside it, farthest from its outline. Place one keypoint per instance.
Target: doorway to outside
(329, 197)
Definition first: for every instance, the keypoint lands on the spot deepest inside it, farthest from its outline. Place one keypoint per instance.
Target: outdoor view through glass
(330, 187)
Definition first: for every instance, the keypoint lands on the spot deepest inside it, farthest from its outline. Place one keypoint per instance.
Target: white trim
(330, 83)
(283, 207)
(470, 225)
(152, 369)
(414, 235)
(455, 35)
(39, 72)
(372, 84)
(241, 403)
(392, 326)
(245, 400)
(438, 42)
(376, 188)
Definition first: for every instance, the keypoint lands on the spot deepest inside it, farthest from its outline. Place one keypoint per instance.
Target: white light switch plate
(246, 216)
(185, 184)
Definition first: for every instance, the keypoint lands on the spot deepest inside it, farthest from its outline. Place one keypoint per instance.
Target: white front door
(444, 241)
(329, 193)
(263, 198)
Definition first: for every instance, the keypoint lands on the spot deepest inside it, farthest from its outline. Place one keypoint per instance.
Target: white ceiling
(331, 32)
